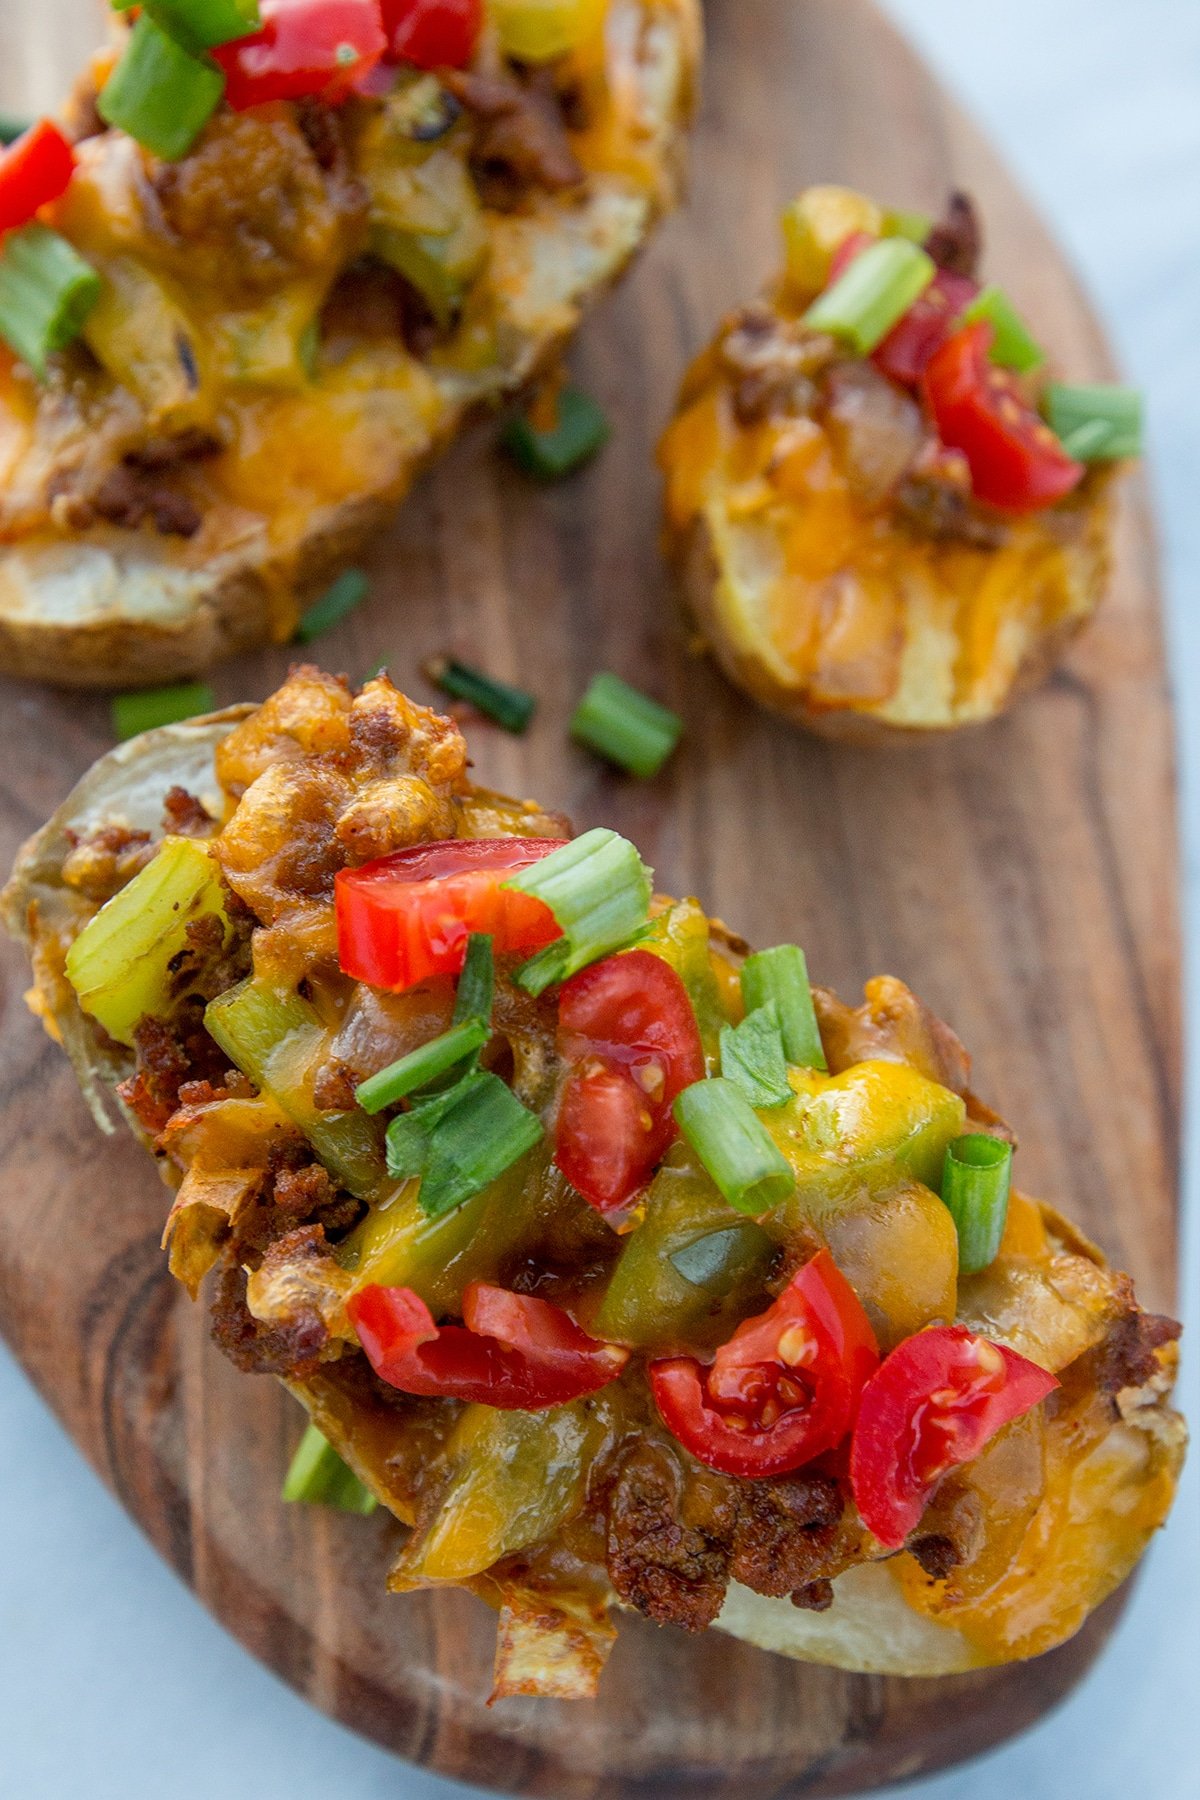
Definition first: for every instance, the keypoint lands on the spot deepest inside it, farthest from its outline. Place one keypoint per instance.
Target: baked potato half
(878, 533)
(299, 313)
(733, 1350)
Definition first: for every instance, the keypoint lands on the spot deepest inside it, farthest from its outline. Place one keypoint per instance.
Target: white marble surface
(111, 1675)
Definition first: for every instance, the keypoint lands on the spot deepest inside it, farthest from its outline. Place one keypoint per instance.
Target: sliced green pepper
(277, 1040)
(120, 964)
(690, 1273)
(517, 1477)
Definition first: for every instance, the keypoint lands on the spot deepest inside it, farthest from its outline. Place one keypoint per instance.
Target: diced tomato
(433, 34)
(934, 1403)
(408, 916)
(627, 1031)
(1016, 462)
(784, 1389)
(926, 325)
(305, 49)
(512, 1352)
(34, 170)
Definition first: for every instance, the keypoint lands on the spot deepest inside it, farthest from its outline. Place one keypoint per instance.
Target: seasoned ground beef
(956, 241)
(520, 131)
(291, 1349)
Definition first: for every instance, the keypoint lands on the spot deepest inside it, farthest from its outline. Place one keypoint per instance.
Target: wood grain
(1023, 879)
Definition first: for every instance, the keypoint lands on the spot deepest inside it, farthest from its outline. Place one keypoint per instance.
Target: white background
(114, 1684)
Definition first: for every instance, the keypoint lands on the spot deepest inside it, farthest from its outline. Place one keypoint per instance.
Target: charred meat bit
(159, 453)
(785, 1532)
(520, 132)
(127, 497)
(102, 862)
(814, 1596)
(956, 242)
(937, 1554)
(186, 816)
(668, 1545)
(1126, 1358)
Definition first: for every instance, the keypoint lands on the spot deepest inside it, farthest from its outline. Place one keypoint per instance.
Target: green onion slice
(781, 975)
(318, 1477)
(581, 431)
(47, 291)
(625, 726)
(202, 24)
(335, 604)
(511, 707)
(160, 93)
(423, 1065)
(916, 226)
(460, 1141)
(11, 129)
(752, 1057)
(599, 889)
(1095, 424)
(477, 983)
(873, 294)
(135, 713)
(976, 1180)
(1013, 346)
(734, 1145)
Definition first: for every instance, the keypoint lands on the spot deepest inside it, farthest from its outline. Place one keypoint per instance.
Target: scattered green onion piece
(202, 23)
(421, 1066)
(511, 707)
(625, 726)
(477, 983)
(781, 975)
(915, 226)
(46, 293)
(1012, 347)
(873, 294)
(461, 1141)
(734, 1145)
(581, 431)
(752, 1057)
(134, 713)
(1095, 424)
(975, 1187)
(599, 889)
(335, 604)
(317, 1476)
(160, 93)
(11, 129)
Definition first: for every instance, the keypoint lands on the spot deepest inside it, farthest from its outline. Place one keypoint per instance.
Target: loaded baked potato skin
(831, 550)
(260, 382)
(219, 1018)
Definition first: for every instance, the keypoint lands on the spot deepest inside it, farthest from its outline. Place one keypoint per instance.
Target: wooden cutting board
(1022, 878)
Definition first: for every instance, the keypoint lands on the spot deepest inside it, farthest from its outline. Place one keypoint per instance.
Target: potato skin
(117, 608)
(700, 576)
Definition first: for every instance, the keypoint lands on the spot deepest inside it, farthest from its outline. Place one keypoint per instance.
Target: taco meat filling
(622, 1265)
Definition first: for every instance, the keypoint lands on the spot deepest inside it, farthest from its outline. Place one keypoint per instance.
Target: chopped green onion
(335, 604)
(134, 713)
(46, 293)
(317, 1476)
(915, 226)
(1095, 424)
(625, 726)
(421, 1066)
(477, 983)
(734, 1145)
(582, 429)
(11, 129)
(460, 1141)
(975, 1188)
(752, 1057)
(160, 93)
(873, 294)
(1012, 347)
(599, 889)
(202, 23)
(781, 975)
(511, 707)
